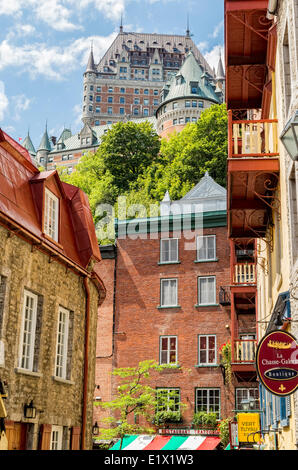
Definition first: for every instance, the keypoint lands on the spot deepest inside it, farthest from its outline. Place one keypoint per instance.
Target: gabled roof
(21, 205)
(207, 195)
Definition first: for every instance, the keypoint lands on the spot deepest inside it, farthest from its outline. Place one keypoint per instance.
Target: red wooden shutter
(75, 438)
(45, 436)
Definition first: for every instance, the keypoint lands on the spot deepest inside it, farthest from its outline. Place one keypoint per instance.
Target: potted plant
(202, 419)
(166, 416)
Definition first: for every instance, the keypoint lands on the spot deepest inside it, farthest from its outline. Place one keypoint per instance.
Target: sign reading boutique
(277, 362)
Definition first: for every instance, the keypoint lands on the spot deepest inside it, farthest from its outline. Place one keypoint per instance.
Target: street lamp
(248, 404)
(30, 410)
(289, 136)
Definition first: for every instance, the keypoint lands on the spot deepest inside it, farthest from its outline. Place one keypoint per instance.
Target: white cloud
(217, 29)
(3, 101)
(52, 62)
(202, 46)
(212, 56)
(20, 103)
(111, 9)
(54, 14)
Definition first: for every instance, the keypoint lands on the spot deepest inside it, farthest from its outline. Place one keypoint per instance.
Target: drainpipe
(86, 361)
(272, 8)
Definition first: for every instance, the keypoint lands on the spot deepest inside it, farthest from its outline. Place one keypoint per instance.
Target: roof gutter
(272, 8)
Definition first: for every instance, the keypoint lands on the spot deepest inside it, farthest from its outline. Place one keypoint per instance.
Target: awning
(156, 442)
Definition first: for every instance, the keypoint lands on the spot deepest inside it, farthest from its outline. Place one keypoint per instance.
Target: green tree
(135, 397)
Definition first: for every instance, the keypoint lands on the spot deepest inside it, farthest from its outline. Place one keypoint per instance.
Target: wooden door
(16, 435)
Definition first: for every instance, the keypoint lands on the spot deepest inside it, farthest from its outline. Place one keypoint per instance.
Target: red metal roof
(21, 203)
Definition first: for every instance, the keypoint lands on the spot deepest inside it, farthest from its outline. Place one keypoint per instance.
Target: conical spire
(187, 27)
(220, 75)
(45, 141)
(91, 65)
(28, 145)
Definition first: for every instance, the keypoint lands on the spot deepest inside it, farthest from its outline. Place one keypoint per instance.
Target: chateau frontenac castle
(160, 78)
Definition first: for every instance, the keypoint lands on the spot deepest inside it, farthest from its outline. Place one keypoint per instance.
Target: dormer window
(51, 215)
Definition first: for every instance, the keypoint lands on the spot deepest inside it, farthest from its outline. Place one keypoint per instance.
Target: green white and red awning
(156, 442)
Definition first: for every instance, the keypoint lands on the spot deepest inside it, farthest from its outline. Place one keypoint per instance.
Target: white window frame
(207, 363)
(168, 350)
(209, 406)
(162, 250)
(28, 332)
(214, 291)
(162, 281)
(51, 225)
(56, 438)
(62, 343)
(169, 390)
(205, 239)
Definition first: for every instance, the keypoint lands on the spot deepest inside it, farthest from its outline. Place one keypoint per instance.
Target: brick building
(49, 297)
(167, 273)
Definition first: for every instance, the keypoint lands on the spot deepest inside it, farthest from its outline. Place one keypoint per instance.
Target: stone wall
(58, 401)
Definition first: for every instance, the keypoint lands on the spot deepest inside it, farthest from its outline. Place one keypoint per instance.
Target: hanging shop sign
(277, 362)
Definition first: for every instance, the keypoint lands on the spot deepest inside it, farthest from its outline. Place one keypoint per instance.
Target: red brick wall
(139, 323)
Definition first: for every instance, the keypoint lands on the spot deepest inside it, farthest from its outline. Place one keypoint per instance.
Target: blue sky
(44, 46)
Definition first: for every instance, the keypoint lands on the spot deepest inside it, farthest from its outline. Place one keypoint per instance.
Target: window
(28, 330)
(146, 102)
(206, 288)
(98, 89)
(62, 343)
(201, 104)
(90, 97)
(122, 90)
(122, 111)
(51, 215)
(174, 122)
(97, 109)
(168, 350)
(135, 111)
(194, 104)
(245, 394)
(110, 99)
(146, 112)
(155, 92)
(175, 105)
(122, 100)
(136, 101)
(206, 248)
(187, 104)
(98, 99)
(56, 438)
(207, 349)
(64, 157)
(136, 91)
(146, 91)
(110, 89)
(90, 108)
(123, 69)
(208, 399)
(168, 297)
(168, 399)
(169, 250)
(97, 123)
(110, 110)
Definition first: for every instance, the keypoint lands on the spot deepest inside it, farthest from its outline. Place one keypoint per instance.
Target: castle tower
(44, 149)
(89, 88)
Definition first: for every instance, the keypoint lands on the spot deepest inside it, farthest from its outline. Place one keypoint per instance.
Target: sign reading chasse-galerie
(277, 362)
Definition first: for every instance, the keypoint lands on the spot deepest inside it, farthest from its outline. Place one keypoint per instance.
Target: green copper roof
(191, 75)
(45, 142)
(66, 134)
(29, 145)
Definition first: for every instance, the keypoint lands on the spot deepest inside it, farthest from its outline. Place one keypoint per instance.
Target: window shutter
(288, 406)
(75, 438)
(262, 406)
(283, 411)
(45, 436)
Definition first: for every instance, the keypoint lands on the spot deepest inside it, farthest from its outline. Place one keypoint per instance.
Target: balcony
(253, 173)
(243, 359)
(244, 351)
(253, 138)
(225, 296)
(244, 273)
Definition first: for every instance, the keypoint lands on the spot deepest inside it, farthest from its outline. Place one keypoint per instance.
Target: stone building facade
(49, 298)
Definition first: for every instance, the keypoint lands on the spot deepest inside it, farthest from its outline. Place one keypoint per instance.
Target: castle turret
(44, 149)
(89, 85)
